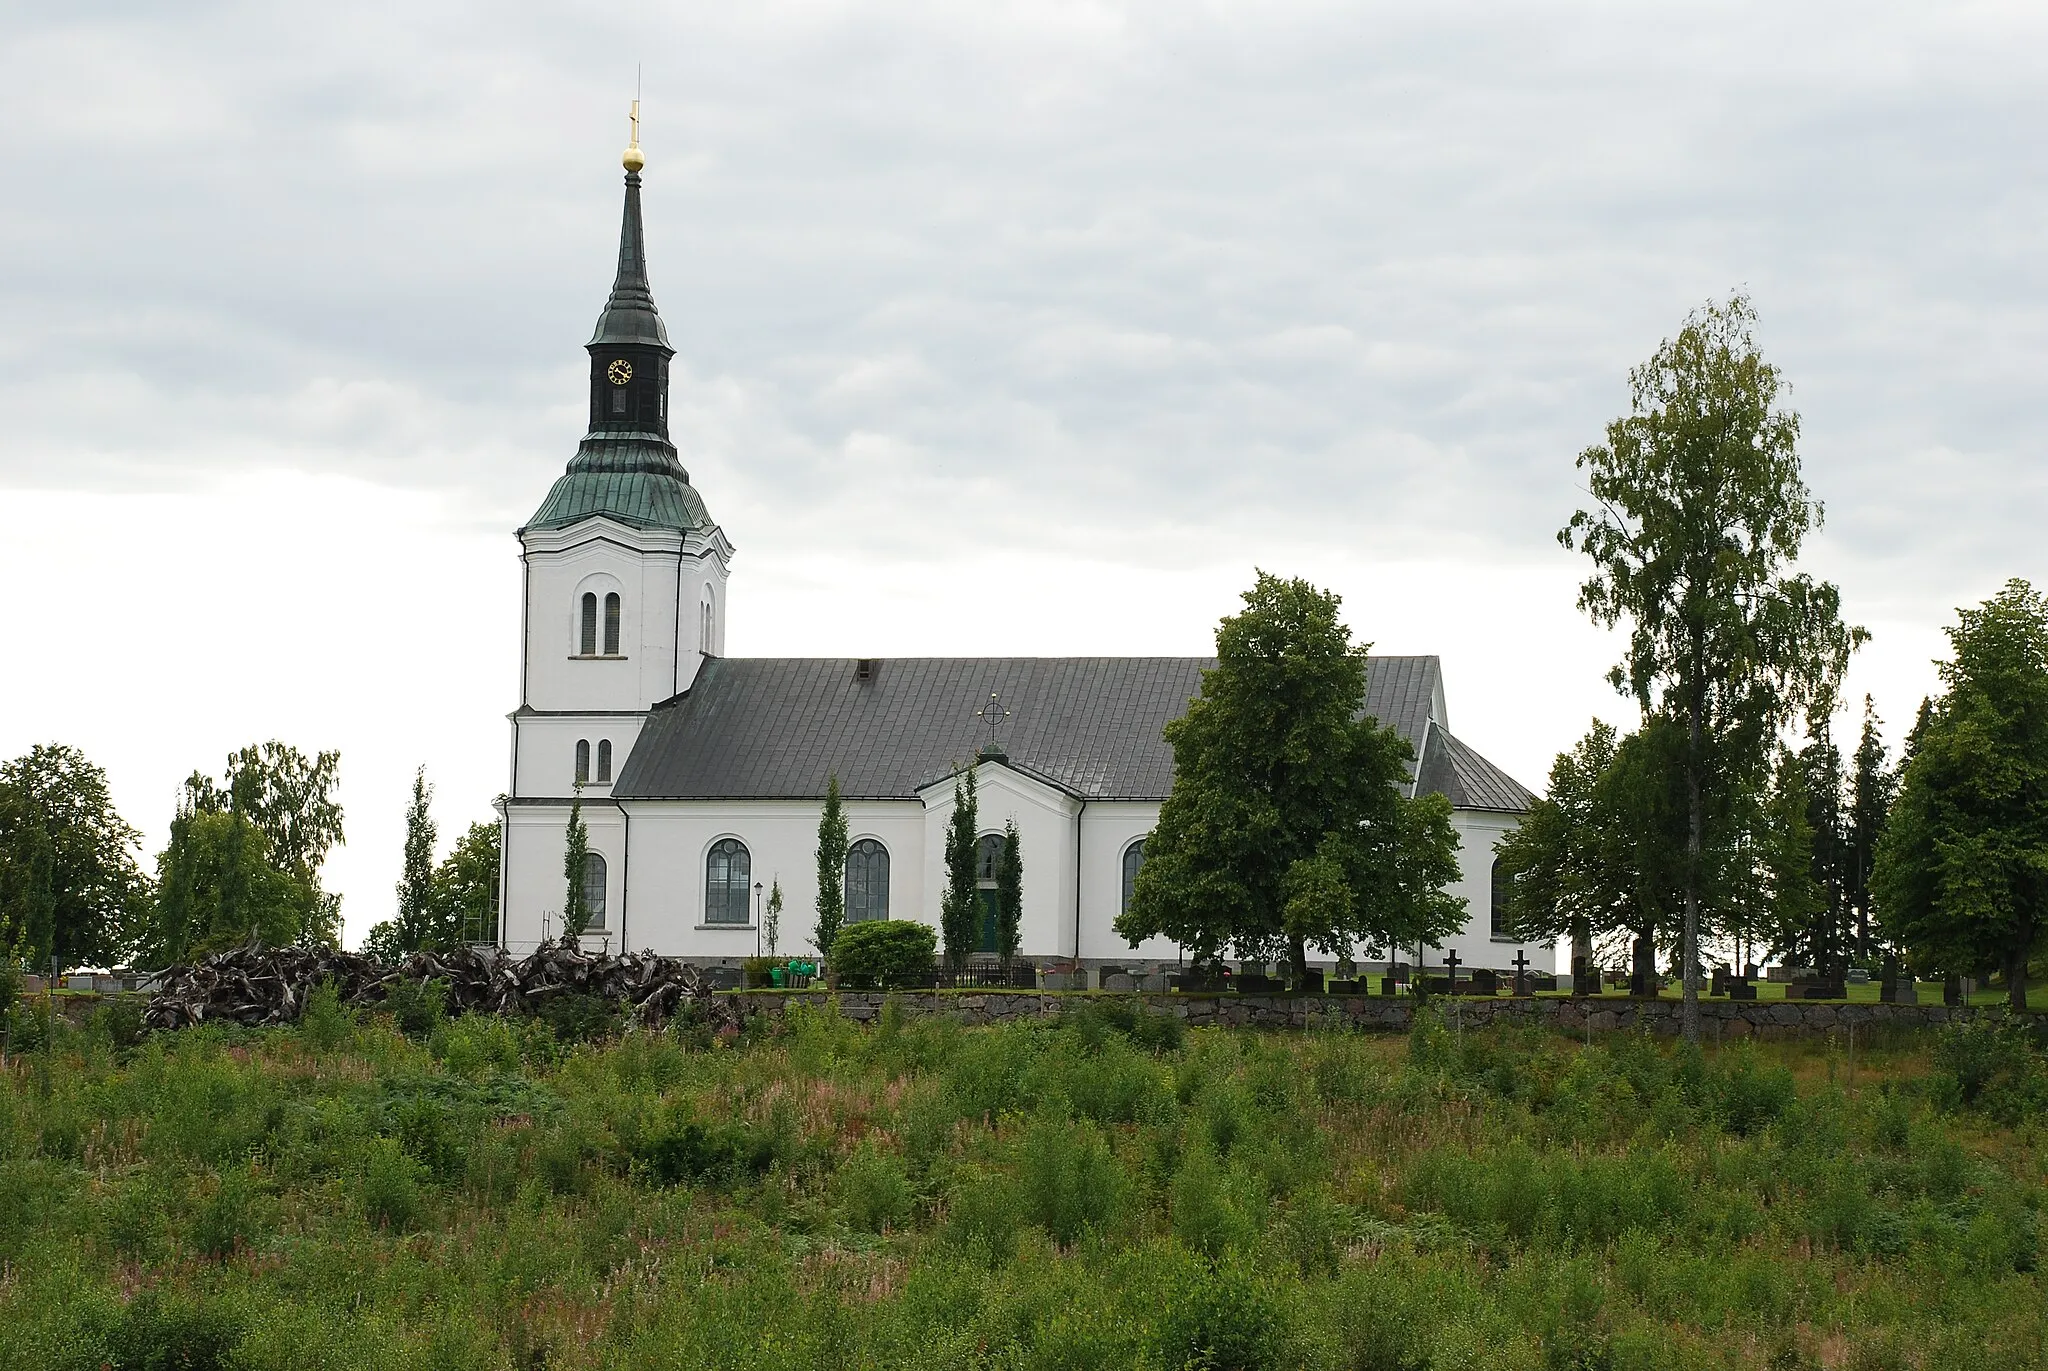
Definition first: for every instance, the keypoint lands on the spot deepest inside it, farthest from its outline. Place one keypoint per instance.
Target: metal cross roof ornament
(993, 716)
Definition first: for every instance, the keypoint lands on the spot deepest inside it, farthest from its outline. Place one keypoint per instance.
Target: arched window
(988, 857)
(593, 891)
(704, 627)
(587, 643)
(611, 625)
(867, 881)
(583, 761)
(1500, 925)
(1134, 857)
(727, 869)
(604, 761)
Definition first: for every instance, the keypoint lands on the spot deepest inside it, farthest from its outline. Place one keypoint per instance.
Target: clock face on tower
(620, 372)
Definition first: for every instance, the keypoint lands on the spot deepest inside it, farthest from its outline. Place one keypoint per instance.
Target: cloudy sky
(1024, 328)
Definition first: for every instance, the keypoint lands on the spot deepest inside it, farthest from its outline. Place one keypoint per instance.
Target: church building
(702, 776)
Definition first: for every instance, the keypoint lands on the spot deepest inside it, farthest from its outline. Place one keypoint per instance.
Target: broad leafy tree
(218, 884)
(1010, 894)
(1699, 512)
(69, 883)
(960, 905)
(1962, 869)
(290, 798)
(831, 906)
(1286, 827)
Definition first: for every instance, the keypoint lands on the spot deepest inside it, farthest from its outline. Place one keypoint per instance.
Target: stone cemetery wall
(1719, 1019)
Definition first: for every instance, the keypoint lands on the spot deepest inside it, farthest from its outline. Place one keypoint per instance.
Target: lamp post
(757, 919)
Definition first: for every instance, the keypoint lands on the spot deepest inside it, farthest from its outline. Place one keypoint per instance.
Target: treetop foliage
(69, 881)
(1286, 827)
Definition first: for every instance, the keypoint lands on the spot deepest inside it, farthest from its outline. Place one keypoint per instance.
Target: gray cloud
(1122, 277)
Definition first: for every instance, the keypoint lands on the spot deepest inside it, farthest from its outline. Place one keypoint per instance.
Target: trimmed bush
(892, 951)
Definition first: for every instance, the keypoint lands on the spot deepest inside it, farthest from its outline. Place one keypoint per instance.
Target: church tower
(623, 597)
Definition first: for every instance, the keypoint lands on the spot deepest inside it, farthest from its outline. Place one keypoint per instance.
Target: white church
(702, 776)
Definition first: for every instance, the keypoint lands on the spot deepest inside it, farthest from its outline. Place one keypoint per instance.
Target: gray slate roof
(776, 727)
(1452, 769)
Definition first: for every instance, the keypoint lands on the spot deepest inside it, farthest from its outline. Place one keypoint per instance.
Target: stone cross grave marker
(1522, 974)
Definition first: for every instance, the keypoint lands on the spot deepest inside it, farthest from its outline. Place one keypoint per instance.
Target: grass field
(1109, 1191)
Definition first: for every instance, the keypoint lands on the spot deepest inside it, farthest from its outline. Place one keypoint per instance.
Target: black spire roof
(630, 316)
(626, 468)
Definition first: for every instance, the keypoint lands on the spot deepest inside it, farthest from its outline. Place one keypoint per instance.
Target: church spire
(629, 315)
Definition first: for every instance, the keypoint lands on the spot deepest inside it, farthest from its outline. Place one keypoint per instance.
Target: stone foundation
(1719, 1019)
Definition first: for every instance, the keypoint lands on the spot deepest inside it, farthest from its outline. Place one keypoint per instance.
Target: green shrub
(167, 1331)
(229, 1220)
(477, 1045)
(873, 1190)
(719, 1155)
(118, 1019)
(982, 1215)
(1226, 1317)
(892, 951)
(579, 1017)
(326, 1022)
(1748, 1096)
(1993, 1064)
(417, 1007)
(1214, 1212)
(1071, 1181)
(389, 1186)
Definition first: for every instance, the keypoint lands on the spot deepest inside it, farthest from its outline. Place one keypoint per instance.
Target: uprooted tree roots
(256, 986)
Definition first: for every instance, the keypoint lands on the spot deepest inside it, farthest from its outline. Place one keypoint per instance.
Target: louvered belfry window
(611, 625)
(588, 645)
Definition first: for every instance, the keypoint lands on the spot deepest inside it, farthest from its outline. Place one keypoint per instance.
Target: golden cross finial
(633, 158)
(634, 119)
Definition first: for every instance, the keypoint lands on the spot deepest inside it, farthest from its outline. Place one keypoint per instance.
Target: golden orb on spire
(632, 157)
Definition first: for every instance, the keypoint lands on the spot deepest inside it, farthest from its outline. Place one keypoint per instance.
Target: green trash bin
(778, 976)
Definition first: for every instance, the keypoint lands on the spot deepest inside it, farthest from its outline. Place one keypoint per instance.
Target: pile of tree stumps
(260, 986)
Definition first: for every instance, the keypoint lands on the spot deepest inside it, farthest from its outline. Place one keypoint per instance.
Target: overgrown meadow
(1108, 1190)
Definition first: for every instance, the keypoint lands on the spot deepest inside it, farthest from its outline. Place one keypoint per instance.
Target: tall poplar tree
(1010, 894)
(575, 856)
(831, 906)
(1962, 869)
(1700, 510)
(1872, 788)
(960, 906)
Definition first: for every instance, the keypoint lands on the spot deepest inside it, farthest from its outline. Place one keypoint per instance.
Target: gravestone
(1858, 976)
(1888, 983)
(1400, 972)
(1344, 987)
(1719, 984)
(1255, 985)
(1451, 971)
(1311, 982)
(1741, 989)
(1585, 976)
(1522, 987)
(1390, 985)
(1156, 982)
(1485, 982)
(1952, 991)
(1642, 982)
(1750, 972)
(1542, 980)
(1119, 980)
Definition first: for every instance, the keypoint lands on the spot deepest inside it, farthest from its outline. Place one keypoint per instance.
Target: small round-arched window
(586, 641)
(604, 761)
(583, 761)
(867, 881)
(1134, 857)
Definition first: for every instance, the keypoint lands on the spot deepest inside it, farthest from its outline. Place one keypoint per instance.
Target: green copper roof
(632, 478)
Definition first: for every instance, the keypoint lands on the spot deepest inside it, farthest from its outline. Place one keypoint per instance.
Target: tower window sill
(597, 657)
(726, 928)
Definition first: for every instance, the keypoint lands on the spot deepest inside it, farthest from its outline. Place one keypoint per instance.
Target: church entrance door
(990, 926)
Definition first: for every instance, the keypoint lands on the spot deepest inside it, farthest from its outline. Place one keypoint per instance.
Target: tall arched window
(593, 891)
(604, 761)
(867, 881)
(704, 627)
(587, 641)
(583, 761)
(988, 856)
(1500, 924)
(611, 624)
(1134, 857)
(727, 869)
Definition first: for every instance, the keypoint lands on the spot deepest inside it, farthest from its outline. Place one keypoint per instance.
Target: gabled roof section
(1452, 769)
(778, 727)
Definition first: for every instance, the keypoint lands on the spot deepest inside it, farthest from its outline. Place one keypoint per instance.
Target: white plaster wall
(536, 840)
(546, 756)
(1479, 833)
(1108, 827)
(670, 839)
(1045, 839)
(595, 555)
